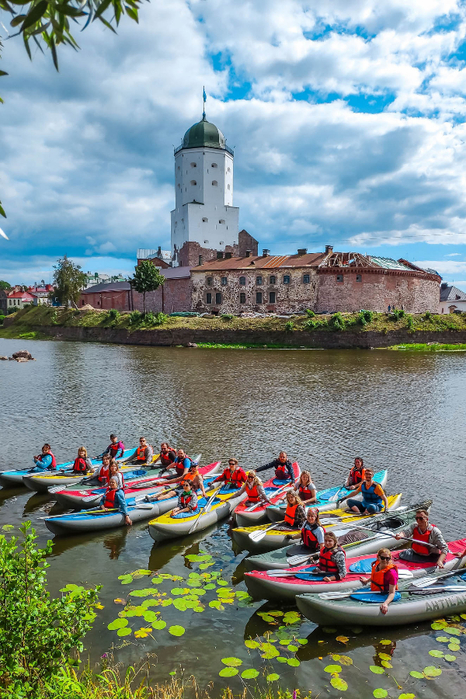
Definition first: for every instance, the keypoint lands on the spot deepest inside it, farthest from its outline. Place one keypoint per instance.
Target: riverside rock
(23, 355)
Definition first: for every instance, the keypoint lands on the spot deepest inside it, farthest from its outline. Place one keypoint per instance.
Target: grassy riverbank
(37, 319)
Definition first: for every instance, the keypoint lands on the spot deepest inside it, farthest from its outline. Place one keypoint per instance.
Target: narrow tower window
(214, 165)
(214, 183)
(193, 183)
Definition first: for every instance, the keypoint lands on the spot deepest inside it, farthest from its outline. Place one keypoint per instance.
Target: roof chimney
(265, 252)
(220, 255)
(248, 253)
(201, 260)
(228, 256)
(302, 251)
(328, 249)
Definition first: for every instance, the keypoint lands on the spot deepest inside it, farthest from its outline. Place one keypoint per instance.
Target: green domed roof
(204, 134)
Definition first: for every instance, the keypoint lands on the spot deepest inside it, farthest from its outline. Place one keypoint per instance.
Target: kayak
(262, 585)
(413, 605)
(87, 497)
(247, 515)
(169, 526)
(276, 538)
(142, 504)
(16, 477)
(368, 542)
(326, 499)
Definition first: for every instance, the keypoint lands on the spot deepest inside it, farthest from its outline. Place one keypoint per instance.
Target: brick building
(108, 295)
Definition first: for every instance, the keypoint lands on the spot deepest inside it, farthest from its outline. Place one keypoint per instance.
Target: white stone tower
(204, 211)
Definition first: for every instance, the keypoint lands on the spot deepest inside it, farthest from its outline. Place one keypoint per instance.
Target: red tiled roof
(312, 259)
(20, 295)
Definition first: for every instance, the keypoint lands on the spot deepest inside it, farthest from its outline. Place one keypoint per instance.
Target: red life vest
(252, 493)
(186, 499)
(167, 459)
(378, 583)
(281, 472)
(114, 449)
(104, 474)
(53, 465)
(237, 477)
(419, 548)
(141, 454)
(109, 501)
(309, 538)
(357, 476)
(326, 562)
(179, 467)
(80, 465)
(304, 493)
(290, 514)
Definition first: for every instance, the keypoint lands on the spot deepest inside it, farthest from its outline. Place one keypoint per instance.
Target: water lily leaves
(150, 603)
(124, 632)
(143, 632)
(376, 669)
(436, 653)
(228, 672)
(167, 602)
(380, 693)
(125, 579)
(384, 656)
(281, 659)
(140, 572)
(275, 612)
(216, 604)
(342, 639)
(232, 662)
(176, 630)
(226, 592)
(150, 616)
(443, 639)
(407, 696)
(143, 593)
(194, 583)
(249, 674)
(291, 618)
(159, 625)
(416, 674)
(268, 651)
(450, 658)
(210, 586)
(266, 617)
(432, 671)
(285, 641)
(452, 630)
(386, 663)
(339, 683)
(332, 669)
(292, 648)
(117, 624)
(180, 591)
(345, 660)
(453, 646)
(438, 625)
(180, 604)
(222, 583)
(203, 566)
(293, 662)
(157, 580)
(8, 527)
(302, 641)
(273, 677)
(251, 644)
(385, 642)
(242, 594)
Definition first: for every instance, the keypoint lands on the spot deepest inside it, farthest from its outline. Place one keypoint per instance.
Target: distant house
(41, 295)
(108, 295)
(451, 299)
(18, 299)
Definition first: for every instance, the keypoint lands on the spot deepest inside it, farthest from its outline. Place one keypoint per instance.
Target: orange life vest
(190, 476)
(109, 501)
(141, 454)
(179, 465)
(80, 465)
(419, 536)
(326, 562)
(290, 514)
(253, 493)
(357, 476)
(104, 474)
(378, 583)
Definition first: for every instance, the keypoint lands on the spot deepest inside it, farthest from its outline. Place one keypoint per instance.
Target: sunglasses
(421, 519)
(385, 558)
(231, 463)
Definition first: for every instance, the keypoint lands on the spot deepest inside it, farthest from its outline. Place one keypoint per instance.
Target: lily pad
(453, 646)
(416, 674)
(210, 586)
(222, 583)
(272, 677)
(143, 593)
(216, 604)
(285, 641)
(332, 669)
(228, 672)
(125, 579)
(157, 580)
(140, 572)
(380, 693)
(159, 625)
(437, 625)
(180, 604)
(124, 632)
(232, 662)
(150, 616)
(385, 642)
(342, 639)
(176, 630)
(268, 651)
(436, 653)
(443, 639)
(386, 663)
(143, 632)
(250, 674)
(292, 648)
(432, 671)
(281, 659)
(302, 641)
(293, 662)
(407, 696)
(345, 660)
(291, 618)
(203, 566)
(385, 656)
(117, 624)
(339, 683)
(251, 644)
(453, 631)
(274, 613)
(450, 658)
(376, 669)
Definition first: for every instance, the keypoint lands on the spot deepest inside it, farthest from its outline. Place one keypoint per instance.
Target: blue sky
(347, 118)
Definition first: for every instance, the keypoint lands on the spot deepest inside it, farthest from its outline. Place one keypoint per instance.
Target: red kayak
(248, 515)
(87, 499)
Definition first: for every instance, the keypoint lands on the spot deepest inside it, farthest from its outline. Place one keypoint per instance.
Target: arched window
(193, 165)
(193, 183)
(204, 220)
(214, 183)
(242, 281)
(214, 165)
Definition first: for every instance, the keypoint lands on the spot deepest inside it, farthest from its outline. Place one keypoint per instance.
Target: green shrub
(113, 314)
(227, 316)
(362, 318)
(338, 322)
(310, 324)
(410, 322)
(309, 313)
(289, 326)
(427, 315)
(2, 318)
(155, 318)
(398, 313)
(368, 316)
(37, 633)
(135, 317)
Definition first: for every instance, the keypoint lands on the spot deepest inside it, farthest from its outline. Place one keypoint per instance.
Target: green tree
(146, 278)
(37, 633)
(69, 281)
(4, 285)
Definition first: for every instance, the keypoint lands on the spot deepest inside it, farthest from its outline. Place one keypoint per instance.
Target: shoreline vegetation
(303, 331)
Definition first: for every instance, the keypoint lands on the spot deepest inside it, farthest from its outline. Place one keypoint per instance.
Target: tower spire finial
(204, 100)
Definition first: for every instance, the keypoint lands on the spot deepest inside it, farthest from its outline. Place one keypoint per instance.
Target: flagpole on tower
(204, 99)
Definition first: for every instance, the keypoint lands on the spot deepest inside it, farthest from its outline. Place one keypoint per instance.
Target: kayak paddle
(205, 509)
(259, 534)
(301, 560)
(258, 504)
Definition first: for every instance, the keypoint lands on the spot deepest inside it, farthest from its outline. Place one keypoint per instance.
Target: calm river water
(404, 411)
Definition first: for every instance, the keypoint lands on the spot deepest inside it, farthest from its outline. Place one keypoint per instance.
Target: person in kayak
(295, 514)
(114, 498)
(102, 474)
(332, 559)
(44, 461)
(282, 465)
(144, 453)
(312, 535)
(233, 476)
(182, 464)
(82, 464)
(187, 501)
(424, 533)
(115, 449)
(167, 456)
(356, 474)
(383, 577)
(373, 496)
(192, 476)
(306, 489)
(254, 489)
(116, 473)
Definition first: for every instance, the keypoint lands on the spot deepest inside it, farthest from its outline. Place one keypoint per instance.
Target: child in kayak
(82, 464)
(254, 489)
(282, 466)
(383, 577)
(44, 461)
(373, 496)
(114, 498)
(187, 501)
(332, 559)
(312, 535)
(306, 488)
(115, 449)
(356, 474)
